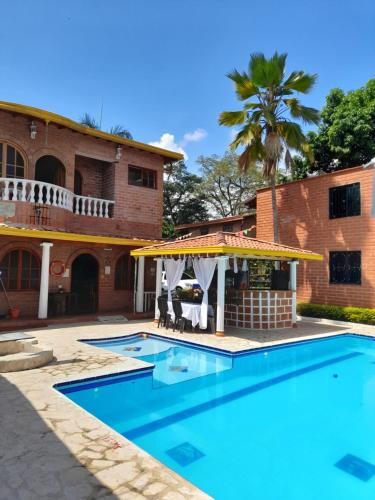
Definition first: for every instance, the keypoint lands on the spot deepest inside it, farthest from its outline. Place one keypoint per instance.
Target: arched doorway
(50, 169)
(85, 283)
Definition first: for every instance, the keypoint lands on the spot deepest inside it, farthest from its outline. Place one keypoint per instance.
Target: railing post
(6, 190)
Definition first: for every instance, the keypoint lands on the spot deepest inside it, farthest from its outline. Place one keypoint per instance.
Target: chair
(164, 317)
(179, 321)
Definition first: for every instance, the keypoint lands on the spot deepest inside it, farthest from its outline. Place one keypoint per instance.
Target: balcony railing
(49, 194)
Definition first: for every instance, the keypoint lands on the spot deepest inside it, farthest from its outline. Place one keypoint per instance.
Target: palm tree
(120, 131)
(89, 121)
(269, 133)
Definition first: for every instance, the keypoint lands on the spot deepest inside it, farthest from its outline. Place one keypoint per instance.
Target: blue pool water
(288, 423)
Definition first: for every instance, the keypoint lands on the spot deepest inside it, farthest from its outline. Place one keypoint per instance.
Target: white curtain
(204, 271)
(173, 271)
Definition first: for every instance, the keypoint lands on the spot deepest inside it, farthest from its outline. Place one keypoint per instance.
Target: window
(12, 162)
(344, 201)
(20, 270)
(142, 177)
(228, 228)
(345, 267)
(124, 273)
(204, 230)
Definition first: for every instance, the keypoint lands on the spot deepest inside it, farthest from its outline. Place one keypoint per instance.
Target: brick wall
(304, 222)
(138, 211)
(110, 300)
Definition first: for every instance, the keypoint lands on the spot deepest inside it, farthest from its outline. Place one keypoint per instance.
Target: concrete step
(24, 355)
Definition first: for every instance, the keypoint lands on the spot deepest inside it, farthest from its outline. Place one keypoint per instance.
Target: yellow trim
(48, 117)
(291, 254)
(83, 238)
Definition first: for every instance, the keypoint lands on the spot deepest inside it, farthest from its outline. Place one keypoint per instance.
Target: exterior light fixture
(33, 130)
(118, 153)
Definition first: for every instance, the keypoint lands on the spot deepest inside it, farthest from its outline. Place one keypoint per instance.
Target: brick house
(231, 224)
(73, 203)
(331, 215)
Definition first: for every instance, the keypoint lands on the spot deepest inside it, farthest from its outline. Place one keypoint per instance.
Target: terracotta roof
(49, 117)
(226, 243)
(212, 222)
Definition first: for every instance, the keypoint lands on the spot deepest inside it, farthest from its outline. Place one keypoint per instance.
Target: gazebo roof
(222, 243)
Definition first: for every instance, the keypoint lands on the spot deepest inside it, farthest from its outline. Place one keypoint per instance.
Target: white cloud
(195, 136)
(167, 141)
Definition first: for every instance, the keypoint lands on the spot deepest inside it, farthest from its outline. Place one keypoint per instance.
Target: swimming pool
(285, 423)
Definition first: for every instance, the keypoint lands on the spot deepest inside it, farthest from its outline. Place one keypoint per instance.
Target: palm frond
(299, 81)
(292, 134)
(231, 118)
(267, 72)
(252, 154)
(245, 87)
(89, 121)
(249, 133)
(120, 131)
(308, 115)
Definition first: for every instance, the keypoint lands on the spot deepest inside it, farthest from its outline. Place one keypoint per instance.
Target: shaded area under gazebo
(243, 300)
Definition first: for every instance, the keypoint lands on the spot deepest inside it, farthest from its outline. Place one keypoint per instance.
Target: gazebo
(252, 302)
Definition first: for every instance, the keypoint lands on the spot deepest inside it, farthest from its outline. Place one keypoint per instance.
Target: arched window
(124, 273)
(12, 162)
(20, 270)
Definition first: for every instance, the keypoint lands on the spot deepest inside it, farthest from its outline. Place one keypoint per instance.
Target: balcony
(30, 191)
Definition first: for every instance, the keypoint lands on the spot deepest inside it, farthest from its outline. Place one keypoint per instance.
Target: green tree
(183, 203)
(224, 188)
(89, 121)
(346, 136)
(269, 133)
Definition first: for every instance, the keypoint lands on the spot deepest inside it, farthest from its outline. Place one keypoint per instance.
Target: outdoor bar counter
(259, 309)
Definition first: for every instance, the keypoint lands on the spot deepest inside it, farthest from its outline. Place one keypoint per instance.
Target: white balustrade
(42, 192)
(148, 301)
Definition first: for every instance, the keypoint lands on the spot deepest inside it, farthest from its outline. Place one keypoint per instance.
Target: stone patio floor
(51, 448)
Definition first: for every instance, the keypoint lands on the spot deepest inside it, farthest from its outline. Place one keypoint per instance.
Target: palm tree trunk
(275, 213)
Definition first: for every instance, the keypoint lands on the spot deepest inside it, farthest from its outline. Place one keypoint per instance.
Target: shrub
(340, 313)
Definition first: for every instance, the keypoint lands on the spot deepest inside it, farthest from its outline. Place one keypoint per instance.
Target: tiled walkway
(51, 448)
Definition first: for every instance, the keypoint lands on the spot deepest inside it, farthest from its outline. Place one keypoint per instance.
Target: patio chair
(179, 321)
(164, 317)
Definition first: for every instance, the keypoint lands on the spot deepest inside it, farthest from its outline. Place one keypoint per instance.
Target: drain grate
(185, 454)
(357, 467)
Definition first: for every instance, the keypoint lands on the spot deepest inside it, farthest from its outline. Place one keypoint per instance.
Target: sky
(158, 66)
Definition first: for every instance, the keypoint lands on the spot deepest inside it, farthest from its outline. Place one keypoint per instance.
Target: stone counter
(258, 309)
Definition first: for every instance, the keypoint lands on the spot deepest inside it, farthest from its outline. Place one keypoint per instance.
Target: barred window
(345, 201)
(20, 270)
(345, 267)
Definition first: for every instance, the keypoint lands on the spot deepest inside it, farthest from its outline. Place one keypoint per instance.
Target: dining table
(192, 311)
